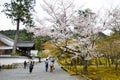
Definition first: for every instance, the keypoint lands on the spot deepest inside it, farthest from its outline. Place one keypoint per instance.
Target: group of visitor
(30, 65)
(49, 64)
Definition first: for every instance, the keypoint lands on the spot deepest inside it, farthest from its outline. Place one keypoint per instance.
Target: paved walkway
(37, 74)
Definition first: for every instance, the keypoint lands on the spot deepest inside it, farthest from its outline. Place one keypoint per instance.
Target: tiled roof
(25, 44)
(6, 40)
(10, 43)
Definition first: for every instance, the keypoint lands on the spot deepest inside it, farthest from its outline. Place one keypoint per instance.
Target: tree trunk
(96, 62)
(75, 65)
(16, 37)
(85, 66)
(109, 61)
(116, 63)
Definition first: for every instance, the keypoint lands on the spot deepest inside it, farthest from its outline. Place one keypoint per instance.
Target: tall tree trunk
(16, 37)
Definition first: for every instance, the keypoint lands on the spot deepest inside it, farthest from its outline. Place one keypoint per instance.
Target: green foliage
(50, 49)
(44, 55)
(12, 66)
(23, 35)
(20, 10)
(109, 45)
(40, 41)
(16, 54)
(9, 33)
(64, 61)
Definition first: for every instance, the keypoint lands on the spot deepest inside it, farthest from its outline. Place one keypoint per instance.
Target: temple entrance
(24, 48)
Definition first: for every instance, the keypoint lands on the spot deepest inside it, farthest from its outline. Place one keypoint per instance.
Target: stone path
(37, 74)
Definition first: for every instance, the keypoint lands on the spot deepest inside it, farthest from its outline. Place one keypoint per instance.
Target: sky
(95, 5)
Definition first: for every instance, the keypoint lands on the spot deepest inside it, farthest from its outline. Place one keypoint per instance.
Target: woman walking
(52, 65)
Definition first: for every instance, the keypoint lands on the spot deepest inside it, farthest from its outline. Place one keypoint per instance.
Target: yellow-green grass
(105, 73)
(102, 71)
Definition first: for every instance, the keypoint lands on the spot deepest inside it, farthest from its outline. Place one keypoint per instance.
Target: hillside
(23, 35)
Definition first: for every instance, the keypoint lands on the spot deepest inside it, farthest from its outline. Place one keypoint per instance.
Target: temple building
(6, 46)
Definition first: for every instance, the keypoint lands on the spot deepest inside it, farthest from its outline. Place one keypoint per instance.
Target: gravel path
(37, 74)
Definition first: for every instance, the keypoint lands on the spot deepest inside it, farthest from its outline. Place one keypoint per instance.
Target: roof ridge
(7, 38)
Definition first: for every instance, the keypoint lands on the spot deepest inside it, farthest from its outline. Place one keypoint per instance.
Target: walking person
(46, 65)
(39, 59)
(0, 66)
(51, 66)
(31, 67)
(28, 64)
(25, 64)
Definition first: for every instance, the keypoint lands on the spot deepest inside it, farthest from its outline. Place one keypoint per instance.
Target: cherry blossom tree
(85, 34)
(70, 24)
(60, 18)
(113, 22)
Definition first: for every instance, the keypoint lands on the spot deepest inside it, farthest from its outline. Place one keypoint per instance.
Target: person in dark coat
(46, 65)
(25, 64)
(39, 59)
(0, 66)
(31, 67)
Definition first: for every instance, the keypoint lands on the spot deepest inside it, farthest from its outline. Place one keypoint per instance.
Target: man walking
(46, 65)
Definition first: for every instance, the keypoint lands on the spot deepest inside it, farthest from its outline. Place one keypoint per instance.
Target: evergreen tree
(19, 11)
